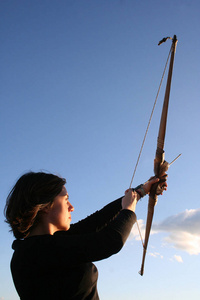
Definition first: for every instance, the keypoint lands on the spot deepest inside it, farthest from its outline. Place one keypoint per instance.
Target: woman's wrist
(140, 191)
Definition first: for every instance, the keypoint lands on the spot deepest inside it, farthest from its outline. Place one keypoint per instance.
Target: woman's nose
(71, 208)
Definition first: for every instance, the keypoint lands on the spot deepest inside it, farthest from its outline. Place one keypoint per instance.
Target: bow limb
(160, 165)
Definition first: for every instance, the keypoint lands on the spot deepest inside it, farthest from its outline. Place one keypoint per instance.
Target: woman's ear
(47, 208)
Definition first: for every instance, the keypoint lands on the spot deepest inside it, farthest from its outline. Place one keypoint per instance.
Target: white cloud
(183, 231)
(187, 221)
(178, 258)
(185, 241)
(156, 255)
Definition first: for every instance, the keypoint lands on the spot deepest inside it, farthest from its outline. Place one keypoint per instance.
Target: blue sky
(78, 82)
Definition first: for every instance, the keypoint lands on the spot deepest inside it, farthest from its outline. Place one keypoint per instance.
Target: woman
(51, 259)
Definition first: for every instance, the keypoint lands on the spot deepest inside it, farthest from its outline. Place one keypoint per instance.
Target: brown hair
(30, 195)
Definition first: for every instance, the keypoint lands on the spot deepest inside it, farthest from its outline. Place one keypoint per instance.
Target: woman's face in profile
(59, 215)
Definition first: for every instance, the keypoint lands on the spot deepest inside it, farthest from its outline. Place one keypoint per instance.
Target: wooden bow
(160, 165)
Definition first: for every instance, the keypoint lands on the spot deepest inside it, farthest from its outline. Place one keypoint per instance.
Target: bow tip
(141, 272)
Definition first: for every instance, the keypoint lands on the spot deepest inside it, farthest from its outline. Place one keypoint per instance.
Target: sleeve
(97, 220)
(100, 245)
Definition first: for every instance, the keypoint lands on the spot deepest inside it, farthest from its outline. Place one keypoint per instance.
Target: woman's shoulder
(31, 241)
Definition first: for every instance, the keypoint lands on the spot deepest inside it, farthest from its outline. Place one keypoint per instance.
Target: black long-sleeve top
(60, 266)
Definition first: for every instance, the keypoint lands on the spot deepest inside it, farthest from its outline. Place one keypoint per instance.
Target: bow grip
(160, 164)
